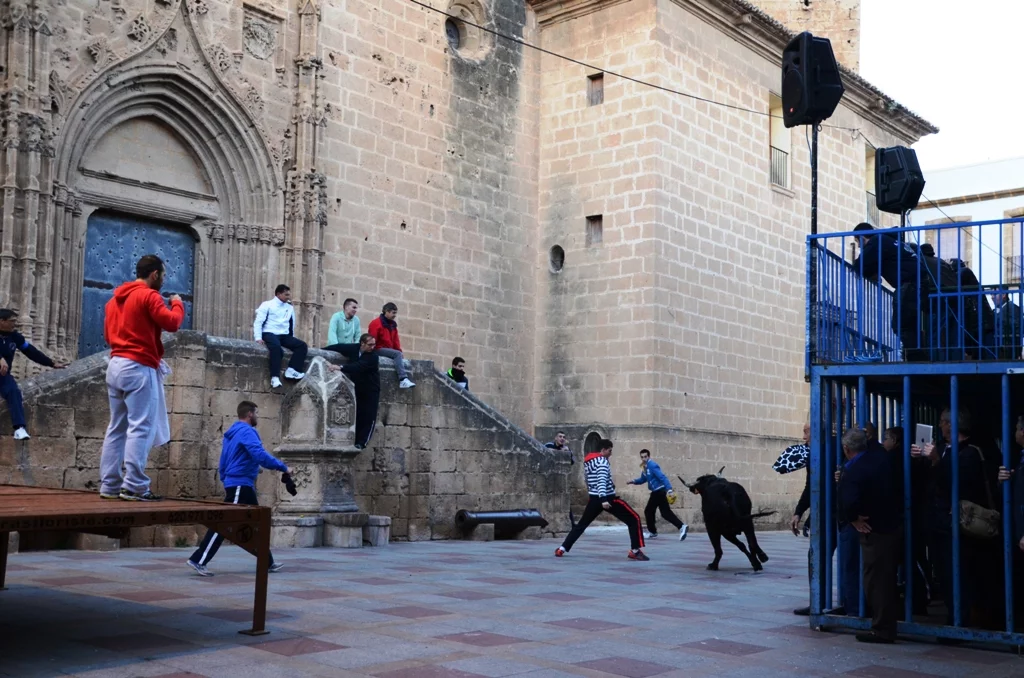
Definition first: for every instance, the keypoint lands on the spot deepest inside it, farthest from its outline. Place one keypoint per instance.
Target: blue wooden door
(113, 245)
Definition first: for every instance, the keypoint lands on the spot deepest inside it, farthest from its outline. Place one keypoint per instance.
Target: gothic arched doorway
(113, 244)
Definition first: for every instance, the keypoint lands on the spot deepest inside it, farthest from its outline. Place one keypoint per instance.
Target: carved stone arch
(219, 130)
(240, 220)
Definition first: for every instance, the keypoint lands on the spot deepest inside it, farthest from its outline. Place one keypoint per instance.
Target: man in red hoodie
(385, 330)
(134, 319)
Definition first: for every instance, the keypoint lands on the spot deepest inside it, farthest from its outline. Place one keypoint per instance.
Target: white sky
(956, 64)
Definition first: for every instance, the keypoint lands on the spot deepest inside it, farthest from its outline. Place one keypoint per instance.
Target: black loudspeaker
(811, 86)
(898, 179)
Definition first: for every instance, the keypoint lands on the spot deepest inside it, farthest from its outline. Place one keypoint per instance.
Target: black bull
(727, 513)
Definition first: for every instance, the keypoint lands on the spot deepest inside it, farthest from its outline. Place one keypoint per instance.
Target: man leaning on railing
(914, 277)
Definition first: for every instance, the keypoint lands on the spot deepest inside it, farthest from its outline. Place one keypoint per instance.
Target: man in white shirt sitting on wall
(275, 327)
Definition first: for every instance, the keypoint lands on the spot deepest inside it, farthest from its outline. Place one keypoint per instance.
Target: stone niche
(317, 435)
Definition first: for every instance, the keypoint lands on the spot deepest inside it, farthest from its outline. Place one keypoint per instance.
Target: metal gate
(945, 345)
(113, 245)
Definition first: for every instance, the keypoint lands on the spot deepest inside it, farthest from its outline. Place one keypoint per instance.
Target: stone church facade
(611, 259)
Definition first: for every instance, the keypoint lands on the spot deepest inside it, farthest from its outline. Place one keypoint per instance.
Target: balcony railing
(780, 167)
(911, 307)
(873, 217)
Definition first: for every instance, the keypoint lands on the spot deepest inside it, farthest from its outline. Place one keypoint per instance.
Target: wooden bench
(42, 509)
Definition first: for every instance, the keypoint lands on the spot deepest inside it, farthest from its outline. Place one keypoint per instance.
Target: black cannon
(505, 524)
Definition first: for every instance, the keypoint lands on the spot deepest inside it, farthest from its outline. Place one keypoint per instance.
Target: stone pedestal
(323, 478)
(377, 531)
(344, 530)
(296, 531)
(317, 420)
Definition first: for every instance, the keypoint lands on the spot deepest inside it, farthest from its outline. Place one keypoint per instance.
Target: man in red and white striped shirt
(601, 489)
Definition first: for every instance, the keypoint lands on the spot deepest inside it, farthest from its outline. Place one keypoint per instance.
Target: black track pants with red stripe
(620, 509)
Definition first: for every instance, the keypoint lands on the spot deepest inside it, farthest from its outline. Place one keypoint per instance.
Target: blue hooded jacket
(654, 478)
(242, 455)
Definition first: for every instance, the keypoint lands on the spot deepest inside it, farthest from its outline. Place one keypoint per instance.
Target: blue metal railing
(964, 563)
(898, 337)
(852, 319)
(892, 301)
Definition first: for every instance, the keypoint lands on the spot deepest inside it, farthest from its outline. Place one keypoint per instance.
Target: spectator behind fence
(919, 467)
(914, 277)
(275, 327)
(11, 341)
(1016, 476)
(1008, 321)
(868, 503)
(977, 321)
(385, 331)
(457, 373)
(974, 552)
(803, 504)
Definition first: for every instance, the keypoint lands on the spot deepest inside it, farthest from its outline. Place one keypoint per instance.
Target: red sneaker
(559, 552)
(637, 555)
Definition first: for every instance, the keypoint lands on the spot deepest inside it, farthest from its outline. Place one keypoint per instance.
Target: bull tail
(762, 514)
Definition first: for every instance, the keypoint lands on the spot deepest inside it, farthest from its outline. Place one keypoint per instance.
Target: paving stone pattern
(444, 609)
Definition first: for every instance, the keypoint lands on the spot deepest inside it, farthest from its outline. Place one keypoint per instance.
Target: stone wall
(837, 20)
(437, 449)
(682, 328)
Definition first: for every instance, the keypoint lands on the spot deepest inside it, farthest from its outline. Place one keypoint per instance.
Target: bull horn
(688, 486)
(719, 474)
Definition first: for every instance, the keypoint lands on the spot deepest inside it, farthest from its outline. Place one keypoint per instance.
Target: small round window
(462, 32)
(556, 259)
(454, 35)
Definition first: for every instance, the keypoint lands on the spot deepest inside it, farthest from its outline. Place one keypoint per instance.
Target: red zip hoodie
(385, 337)
(133, 321)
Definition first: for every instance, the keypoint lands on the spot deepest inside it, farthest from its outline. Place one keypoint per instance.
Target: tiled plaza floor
(436, 609)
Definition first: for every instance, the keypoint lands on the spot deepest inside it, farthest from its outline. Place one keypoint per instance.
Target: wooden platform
(37, 509)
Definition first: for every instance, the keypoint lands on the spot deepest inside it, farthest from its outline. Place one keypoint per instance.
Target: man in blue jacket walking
(660, 489)
(241, 457)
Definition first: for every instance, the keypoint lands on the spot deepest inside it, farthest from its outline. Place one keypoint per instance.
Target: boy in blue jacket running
(660, 488)
(241, 457)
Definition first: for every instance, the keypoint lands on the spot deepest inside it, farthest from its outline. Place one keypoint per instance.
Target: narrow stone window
(556, 259)
(451, 31)
(595, 230)
(595, 89)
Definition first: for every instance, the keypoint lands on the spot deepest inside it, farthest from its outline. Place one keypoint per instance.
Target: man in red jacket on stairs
(385, 330)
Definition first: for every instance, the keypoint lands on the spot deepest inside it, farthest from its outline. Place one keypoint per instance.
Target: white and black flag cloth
(793, 458)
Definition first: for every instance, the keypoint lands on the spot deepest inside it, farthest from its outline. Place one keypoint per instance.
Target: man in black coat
(914, 277)
(867, 501)
(974, 553)
(1016, 476)
(363, 369)
(1008, 326)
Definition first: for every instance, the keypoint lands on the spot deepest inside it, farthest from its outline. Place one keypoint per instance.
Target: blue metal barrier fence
(899, 338)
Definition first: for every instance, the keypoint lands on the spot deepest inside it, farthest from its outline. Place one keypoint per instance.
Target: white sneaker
(292, 374)
(22, 434)
(406, 383)
(682, 531)
(275, 382)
